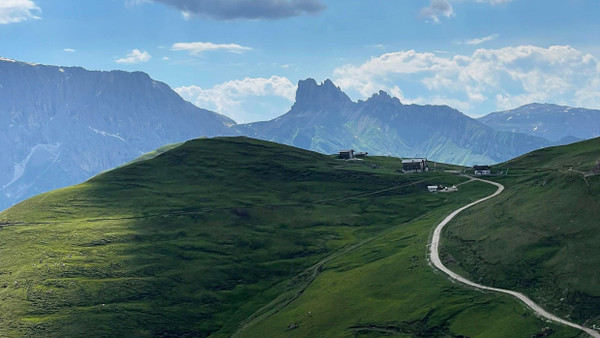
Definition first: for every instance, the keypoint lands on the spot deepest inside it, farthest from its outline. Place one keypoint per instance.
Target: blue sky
(243, 58)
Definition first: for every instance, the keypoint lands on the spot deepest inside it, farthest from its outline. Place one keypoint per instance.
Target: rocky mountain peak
(310, 94)
(383, 98)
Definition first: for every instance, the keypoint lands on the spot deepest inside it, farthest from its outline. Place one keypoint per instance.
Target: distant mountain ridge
(62, 125)
(556, 123)
(324, 119)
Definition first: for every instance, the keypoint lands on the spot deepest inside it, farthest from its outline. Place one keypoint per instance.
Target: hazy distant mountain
(324, 119)
(61, 125)
(556, 123)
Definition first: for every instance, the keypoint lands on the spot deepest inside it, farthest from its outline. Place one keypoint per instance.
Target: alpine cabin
(415, 165)
(347, 154)
(481, 170)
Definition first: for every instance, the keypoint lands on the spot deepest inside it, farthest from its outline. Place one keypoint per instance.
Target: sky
(244, 58)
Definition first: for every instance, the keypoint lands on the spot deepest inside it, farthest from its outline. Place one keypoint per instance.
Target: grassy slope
(387, 287)
(541, 235)
(152, 154)
(195, 240)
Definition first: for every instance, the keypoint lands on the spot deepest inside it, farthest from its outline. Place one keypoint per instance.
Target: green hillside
(237, 236)
(541, 236)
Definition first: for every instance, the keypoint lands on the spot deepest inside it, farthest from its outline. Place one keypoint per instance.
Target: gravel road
(435, 260)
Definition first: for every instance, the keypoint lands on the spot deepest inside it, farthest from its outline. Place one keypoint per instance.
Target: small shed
(481, 170)
(361, 154)
(347, 154)
(432, 188)
(415, 165)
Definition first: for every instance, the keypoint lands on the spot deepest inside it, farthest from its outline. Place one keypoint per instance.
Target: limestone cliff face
(61, 125)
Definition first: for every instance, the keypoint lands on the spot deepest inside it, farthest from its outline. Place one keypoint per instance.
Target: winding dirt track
(435, 260)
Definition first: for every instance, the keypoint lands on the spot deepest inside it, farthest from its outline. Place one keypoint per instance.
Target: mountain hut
(415, 165)
(481, 170)
(347, 154)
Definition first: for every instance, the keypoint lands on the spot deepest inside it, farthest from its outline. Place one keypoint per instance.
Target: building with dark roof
(481, 170)
(415, 165)
(347, 154)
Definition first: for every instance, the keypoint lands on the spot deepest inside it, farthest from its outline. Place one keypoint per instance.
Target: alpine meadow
(299, 168)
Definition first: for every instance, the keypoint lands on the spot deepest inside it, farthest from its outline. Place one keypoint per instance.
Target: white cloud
(444, 8)
(130, 3)
(371, 75)
(135, 56)
(197, 48)
(377, 46)
(13, 11)
(478, 41)
(69, 50)
(495, 78)
(229, 98)
(436, 9)
(492, 2)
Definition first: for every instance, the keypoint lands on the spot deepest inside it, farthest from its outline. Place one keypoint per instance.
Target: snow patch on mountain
(104, 133)
(19, 168)
(101, 119)
(556, 123)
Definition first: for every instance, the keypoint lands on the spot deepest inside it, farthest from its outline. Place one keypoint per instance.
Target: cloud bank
(246, 9)
(230, 98)
(13, 11)
(503, 78)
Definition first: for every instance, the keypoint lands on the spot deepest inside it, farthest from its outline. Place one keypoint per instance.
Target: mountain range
(324, 119)
(556, 123)
(62, 125)
(235, 236)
